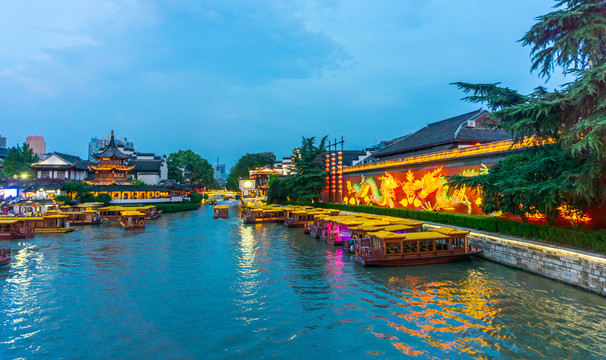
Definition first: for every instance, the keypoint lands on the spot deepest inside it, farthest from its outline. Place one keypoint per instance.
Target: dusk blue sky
(228, 77)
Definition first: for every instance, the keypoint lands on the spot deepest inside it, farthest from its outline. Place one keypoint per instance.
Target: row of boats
(374, 240)
(62, 219)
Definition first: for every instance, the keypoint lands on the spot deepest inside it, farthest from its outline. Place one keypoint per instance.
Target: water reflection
(217, 289)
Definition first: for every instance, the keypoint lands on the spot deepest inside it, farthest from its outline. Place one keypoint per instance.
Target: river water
(189, 286)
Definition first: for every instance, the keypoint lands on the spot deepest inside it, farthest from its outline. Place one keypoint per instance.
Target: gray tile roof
(434, 136)
(146, 165)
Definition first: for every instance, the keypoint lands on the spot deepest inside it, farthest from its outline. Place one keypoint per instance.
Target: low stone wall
(574, 267)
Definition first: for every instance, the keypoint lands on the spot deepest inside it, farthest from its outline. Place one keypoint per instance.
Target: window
(458, 243)
(409, 247)
(427, 245)
(442, 244)
(393, 248)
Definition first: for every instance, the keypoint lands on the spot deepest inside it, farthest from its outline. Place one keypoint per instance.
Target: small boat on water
(53, 221)
(221, 211)
(212, 201)
(5, 256)
(15, 228)
(114, 212)
(384, 248)
(132, 219)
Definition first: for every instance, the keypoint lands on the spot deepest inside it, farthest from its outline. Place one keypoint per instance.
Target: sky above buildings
(227, 77)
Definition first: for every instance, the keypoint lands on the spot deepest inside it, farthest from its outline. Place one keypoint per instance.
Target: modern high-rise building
(37, 144)
(219, 174)
(98, 144)
(2, 142)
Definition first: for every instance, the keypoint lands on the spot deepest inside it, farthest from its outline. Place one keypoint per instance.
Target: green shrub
(195, 198)
(176, 207)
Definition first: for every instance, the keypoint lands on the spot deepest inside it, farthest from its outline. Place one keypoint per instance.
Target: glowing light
(495, 147)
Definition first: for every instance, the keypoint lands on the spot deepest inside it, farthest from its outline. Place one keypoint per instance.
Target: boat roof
(382, 234)
(117, 208)
(368, 227)
(132, 213)
(350, 222)
(89, 204)
(450, 231)
(398, 227)
(9, 221)
(221, 207)
(425, 235)
(146, 207)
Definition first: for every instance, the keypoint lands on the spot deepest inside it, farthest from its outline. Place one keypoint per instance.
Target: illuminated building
(261, 178)
(111, 168)
(60, 166)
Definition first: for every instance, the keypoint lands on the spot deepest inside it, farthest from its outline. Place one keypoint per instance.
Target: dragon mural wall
(429, 191)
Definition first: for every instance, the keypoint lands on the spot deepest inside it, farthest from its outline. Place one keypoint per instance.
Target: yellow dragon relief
(368, 191)
(417, 192)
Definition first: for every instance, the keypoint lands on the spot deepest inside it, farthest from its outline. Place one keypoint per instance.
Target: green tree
(139, 182)
(18, 162)
(572, 118)
(103, 198)
(246, 163)
(77, 190)
(307, 180)
(201, 171)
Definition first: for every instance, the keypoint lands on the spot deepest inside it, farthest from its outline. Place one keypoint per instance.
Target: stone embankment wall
(574, 267)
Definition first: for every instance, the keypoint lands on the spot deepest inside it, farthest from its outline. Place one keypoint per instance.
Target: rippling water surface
(189, 286)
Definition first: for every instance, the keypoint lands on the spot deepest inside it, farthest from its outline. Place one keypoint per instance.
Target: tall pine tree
(572, 119)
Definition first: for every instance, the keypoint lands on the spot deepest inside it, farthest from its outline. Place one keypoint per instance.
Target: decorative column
(334, 176)
(340, 173)
(328, 176)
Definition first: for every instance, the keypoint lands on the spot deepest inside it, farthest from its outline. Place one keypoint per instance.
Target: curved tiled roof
(111, 151)
(440, 133)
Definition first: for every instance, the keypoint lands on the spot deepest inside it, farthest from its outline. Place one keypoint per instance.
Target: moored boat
(53, 221)
(384, 248)
(150, 211)
(5, 256)
(264, 215)
(15, 228)
(132, 219)
(221, 211)
(338, 230)
(112, 213)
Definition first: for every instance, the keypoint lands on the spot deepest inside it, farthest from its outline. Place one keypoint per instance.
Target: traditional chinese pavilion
(111, 168)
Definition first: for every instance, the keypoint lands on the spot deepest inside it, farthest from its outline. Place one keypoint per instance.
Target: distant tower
(37, 144)
(2, 142)
(219, 174)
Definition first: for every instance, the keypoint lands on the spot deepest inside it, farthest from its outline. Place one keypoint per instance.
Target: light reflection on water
(189, 286)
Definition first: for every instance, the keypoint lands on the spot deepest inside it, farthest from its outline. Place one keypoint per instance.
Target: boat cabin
(15, 228)
(338, 230)
(221, 211)
(132, 219)
(150, 212)
(265, 215)
(113, 212)
(52, 222)
(384, 248)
